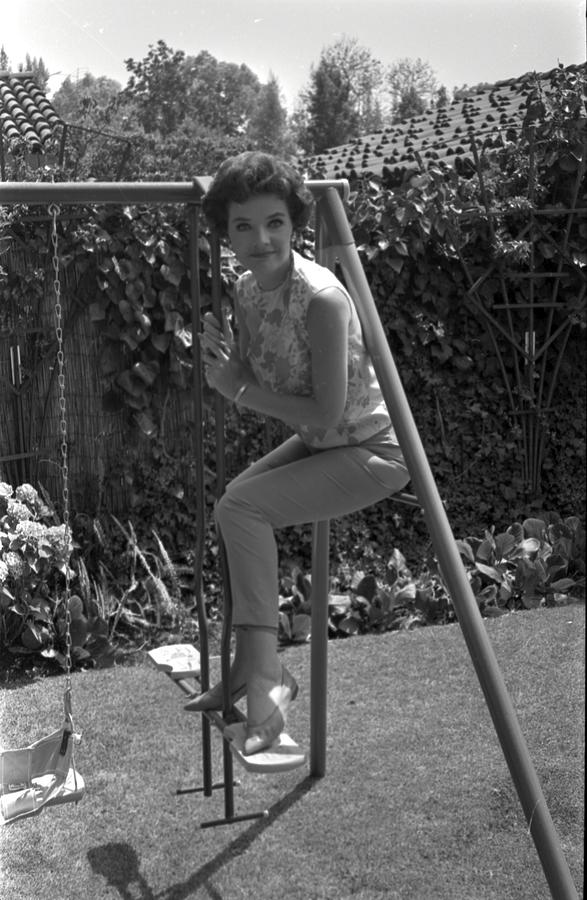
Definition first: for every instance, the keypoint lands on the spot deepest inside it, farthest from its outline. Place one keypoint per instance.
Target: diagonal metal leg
(319, 650)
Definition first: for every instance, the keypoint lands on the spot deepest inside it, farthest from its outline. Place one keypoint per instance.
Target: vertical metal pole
(319, 650)
(198, 442)
(320, 579)
(540, 824)
(220, 486)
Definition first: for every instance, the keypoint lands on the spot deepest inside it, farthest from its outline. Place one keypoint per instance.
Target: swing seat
(40, 775)
(282, 756)
(177, 660)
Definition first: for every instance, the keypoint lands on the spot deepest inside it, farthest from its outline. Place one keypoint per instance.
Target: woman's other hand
(222, 365)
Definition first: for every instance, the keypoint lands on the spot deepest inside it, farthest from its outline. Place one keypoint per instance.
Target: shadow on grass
(119, 864)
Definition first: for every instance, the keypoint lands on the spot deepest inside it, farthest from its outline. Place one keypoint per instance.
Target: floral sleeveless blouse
(279, 353)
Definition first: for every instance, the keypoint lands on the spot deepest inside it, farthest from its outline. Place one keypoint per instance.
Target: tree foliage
(350, 93)
(268, 126)
(87, 101)
(341, 99)
(180, 114)
(412, 85)
(31, 64)
(425, 245)
(169, 87)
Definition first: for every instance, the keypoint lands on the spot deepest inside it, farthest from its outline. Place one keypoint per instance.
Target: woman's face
(260, 232)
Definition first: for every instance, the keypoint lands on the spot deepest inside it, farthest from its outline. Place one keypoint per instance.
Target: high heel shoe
(259, 737)
(214, 699)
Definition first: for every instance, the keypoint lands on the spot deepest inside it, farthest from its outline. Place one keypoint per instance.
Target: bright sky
(464, 41)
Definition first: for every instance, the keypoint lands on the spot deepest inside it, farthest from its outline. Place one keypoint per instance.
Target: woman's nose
(262, 236)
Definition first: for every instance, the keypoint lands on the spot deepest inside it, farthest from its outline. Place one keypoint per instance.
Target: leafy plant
(46, 589)
(538, 562)
(35, 571)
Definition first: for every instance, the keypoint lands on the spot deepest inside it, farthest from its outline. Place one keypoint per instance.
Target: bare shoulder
(330, 303)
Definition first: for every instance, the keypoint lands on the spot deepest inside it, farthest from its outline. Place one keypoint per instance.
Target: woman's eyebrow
(272, 215)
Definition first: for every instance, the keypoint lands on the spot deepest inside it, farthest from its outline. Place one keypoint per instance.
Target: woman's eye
(276, 223)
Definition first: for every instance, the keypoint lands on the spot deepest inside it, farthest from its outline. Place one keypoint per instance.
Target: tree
(342, 99)
(37, 67)
(442, 98)
(268, 127)
(364, 75)
(159, 88)
(331, 116)
(221, 96)
(412, 85)
(169, 87)
(89, 101)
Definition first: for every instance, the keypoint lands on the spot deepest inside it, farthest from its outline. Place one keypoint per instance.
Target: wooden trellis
(547, 318)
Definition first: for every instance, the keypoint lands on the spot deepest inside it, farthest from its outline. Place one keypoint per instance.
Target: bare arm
(328, 324)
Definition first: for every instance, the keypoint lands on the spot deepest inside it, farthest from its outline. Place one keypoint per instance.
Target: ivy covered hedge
(443, 255)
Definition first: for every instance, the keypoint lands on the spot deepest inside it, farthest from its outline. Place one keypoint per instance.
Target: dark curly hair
(244, 176)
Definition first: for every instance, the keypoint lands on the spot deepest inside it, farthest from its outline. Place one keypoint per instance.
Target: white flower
(5, 490)
(32, 532)
(14, 564)
(18, 511)
(26, 493)
(3, 572)
(56, 535)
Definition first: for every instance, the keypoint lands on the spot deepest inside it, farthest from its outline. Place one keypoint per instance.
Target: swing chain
(54, 212)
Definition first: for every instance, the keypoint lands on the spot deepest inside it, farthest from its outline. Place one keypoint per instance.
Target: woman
(299, 357)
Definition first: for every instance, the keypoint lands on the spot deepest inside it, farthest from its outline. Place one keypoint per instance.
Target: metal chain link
(54, 212)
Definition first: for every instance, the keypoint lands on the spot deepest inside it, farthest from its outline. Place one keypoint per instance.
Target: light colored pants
(292, 486)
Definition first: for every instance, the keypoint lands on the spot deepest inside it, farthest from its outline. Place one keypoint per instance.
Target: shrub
(538, 562)
(44, 581)
(34, 555)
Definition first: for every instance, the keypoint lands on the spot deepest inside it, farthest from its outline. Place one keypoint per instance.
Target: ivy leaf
(161, 341)
(173, 273)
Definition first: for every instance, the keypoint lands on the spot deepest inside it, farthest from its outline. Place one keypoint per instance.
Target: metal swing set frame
(334, 244)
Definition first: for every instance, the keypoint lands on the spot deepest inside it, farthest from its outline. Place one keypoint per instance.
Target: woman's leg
(309, 488)
(249, 646)
(324, 485)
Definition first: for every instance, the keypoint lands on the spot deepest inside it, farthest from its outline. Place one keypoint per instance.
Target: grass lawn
(417, 802)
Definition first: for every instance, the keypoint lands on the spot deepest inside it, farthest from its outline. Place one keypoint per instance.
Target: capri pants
(292, 485)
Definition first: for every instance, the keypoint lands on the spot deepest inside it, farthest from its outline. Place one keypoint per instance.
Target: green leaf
(349, 625)
(504, 544)
(563, 585)
(173, 273)
(534, 528)
(339, 604)
(466, 550)
(489, 571)
(367, 587)
(300, 628)
(160, 341)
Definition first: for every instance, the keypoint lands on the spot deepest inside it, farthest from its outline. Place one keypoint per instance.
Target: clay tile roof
(25, 112)
(443, 134)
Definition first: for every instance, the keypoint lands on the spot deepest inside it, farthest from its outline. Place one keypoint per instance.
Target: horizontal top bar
(126, 192)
